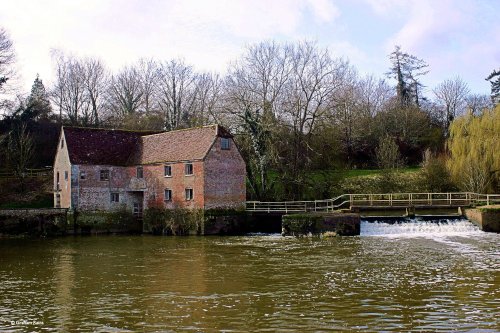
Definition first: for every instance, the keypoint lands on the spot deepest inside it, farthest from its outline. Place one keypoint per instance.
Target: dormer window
(225, 143)
(140, 172)
(189, 169)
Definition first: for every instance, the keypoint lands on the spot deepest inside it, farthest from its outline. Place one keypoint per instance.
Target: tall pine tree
(38, 105)
(495, 86)
(406, 68)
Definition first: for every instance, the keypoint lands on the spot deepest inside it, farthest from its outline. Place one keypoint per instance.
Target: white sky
(456, 37)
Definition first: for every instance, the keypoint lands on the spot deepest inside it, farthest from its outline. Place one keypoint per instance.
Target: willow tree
(474, 144)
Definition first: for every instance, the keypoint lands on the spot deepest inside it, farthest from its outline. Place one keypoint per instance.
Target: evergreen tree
(38, 105)
(495, 86)
(406, 68)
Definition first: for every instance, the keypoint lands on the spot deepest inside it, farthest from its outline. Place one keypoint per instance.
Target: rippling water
(418, 277)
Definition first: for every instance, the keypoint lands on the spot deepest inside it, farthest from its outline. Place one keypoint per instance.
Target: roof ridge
(181, 130)
(111, 129)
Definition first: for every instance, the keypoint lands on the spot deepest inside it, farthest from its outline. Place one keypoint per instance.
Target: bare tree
(450, 96)
(69, 92)
(476, 103)
(126, 92)
(176, 93)
(20, 151)
(7, 57)
(254, 91)
(96, 82)
(208, 99)
(315, 78)
(149, 73)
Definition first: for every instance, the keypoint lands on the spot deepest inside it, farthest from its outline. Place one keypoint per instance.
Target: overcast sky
(455, 37)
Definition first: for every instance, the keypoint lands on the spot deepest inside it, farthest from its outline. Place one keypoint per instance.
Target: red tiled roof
(180, 145)
(101, 146)
(121, 148)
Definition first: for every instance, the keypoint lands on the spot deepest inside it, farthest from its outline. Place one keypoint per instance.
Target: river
(415, 277)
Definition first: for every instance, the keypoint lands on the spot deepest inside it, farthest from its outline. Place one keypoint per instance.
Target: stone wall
(33, 222)
(225, 177)
(95, 194)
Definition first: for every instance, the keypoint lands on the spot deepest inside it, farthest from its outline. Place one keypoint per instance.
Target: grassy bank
(323, 184)
(37, 193)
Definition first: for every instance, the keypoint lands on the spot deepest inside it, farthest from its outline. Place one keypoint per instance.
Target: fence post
(487, 199)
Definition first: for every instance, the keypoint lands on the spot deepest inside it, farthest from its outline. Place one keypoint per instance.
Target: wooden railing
(403, 200)
(44, 172)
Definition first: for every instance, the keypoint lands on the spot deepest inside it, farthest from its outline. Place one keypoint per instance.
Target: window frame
(169, 175)
(169, 191)
(189, 194)
(188, 167)
(139, 172)
(223, 145)
(115, 195)
(104, 175)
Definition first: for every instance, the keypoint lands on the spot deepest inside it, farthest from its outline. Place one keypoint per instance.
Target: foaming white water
(419, 228)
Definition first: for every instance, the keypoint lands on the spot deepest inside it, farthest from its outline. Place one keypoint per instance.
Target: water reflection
(433, 282)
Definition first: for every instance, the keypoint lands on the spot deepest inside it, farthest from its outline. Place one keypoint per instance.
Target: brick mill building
(104, 169)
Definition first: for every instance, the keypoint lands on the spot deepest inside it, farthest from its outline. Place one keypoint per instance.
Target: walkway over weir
(376, 201)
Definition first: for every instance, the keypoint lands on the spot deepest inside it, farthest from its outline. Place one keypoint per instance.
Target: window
(66, 175)
(137, 209)
(104, 175)
(168, 194)
(57, 181)
(115, 197)
(140, 172)
(62, 143)
(189, 169)
(189, 194)
(168, 171)
(224, 143)
(83, 175)
(58, 201)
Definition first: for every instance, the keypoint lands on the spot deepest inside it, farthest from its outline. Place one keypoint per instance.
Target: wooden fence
(44, 172)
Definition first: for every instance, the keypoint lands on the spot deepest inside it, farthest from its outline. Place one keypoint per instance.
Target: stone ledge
(487, 218)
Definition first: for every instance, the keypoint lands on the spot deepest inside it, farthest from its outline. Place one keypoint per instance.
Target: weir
(419, 228)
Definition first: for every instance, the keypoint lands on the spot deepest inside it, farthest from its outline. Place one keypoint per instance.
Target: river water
(414, 277)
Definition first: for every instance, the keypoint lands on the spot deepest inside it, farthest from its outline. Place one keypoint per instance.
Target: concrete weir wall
(338, 224)
(486, 218)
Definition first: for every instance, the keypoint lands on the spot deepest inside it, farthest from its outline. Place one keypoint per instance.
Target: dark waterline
(420, 277)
